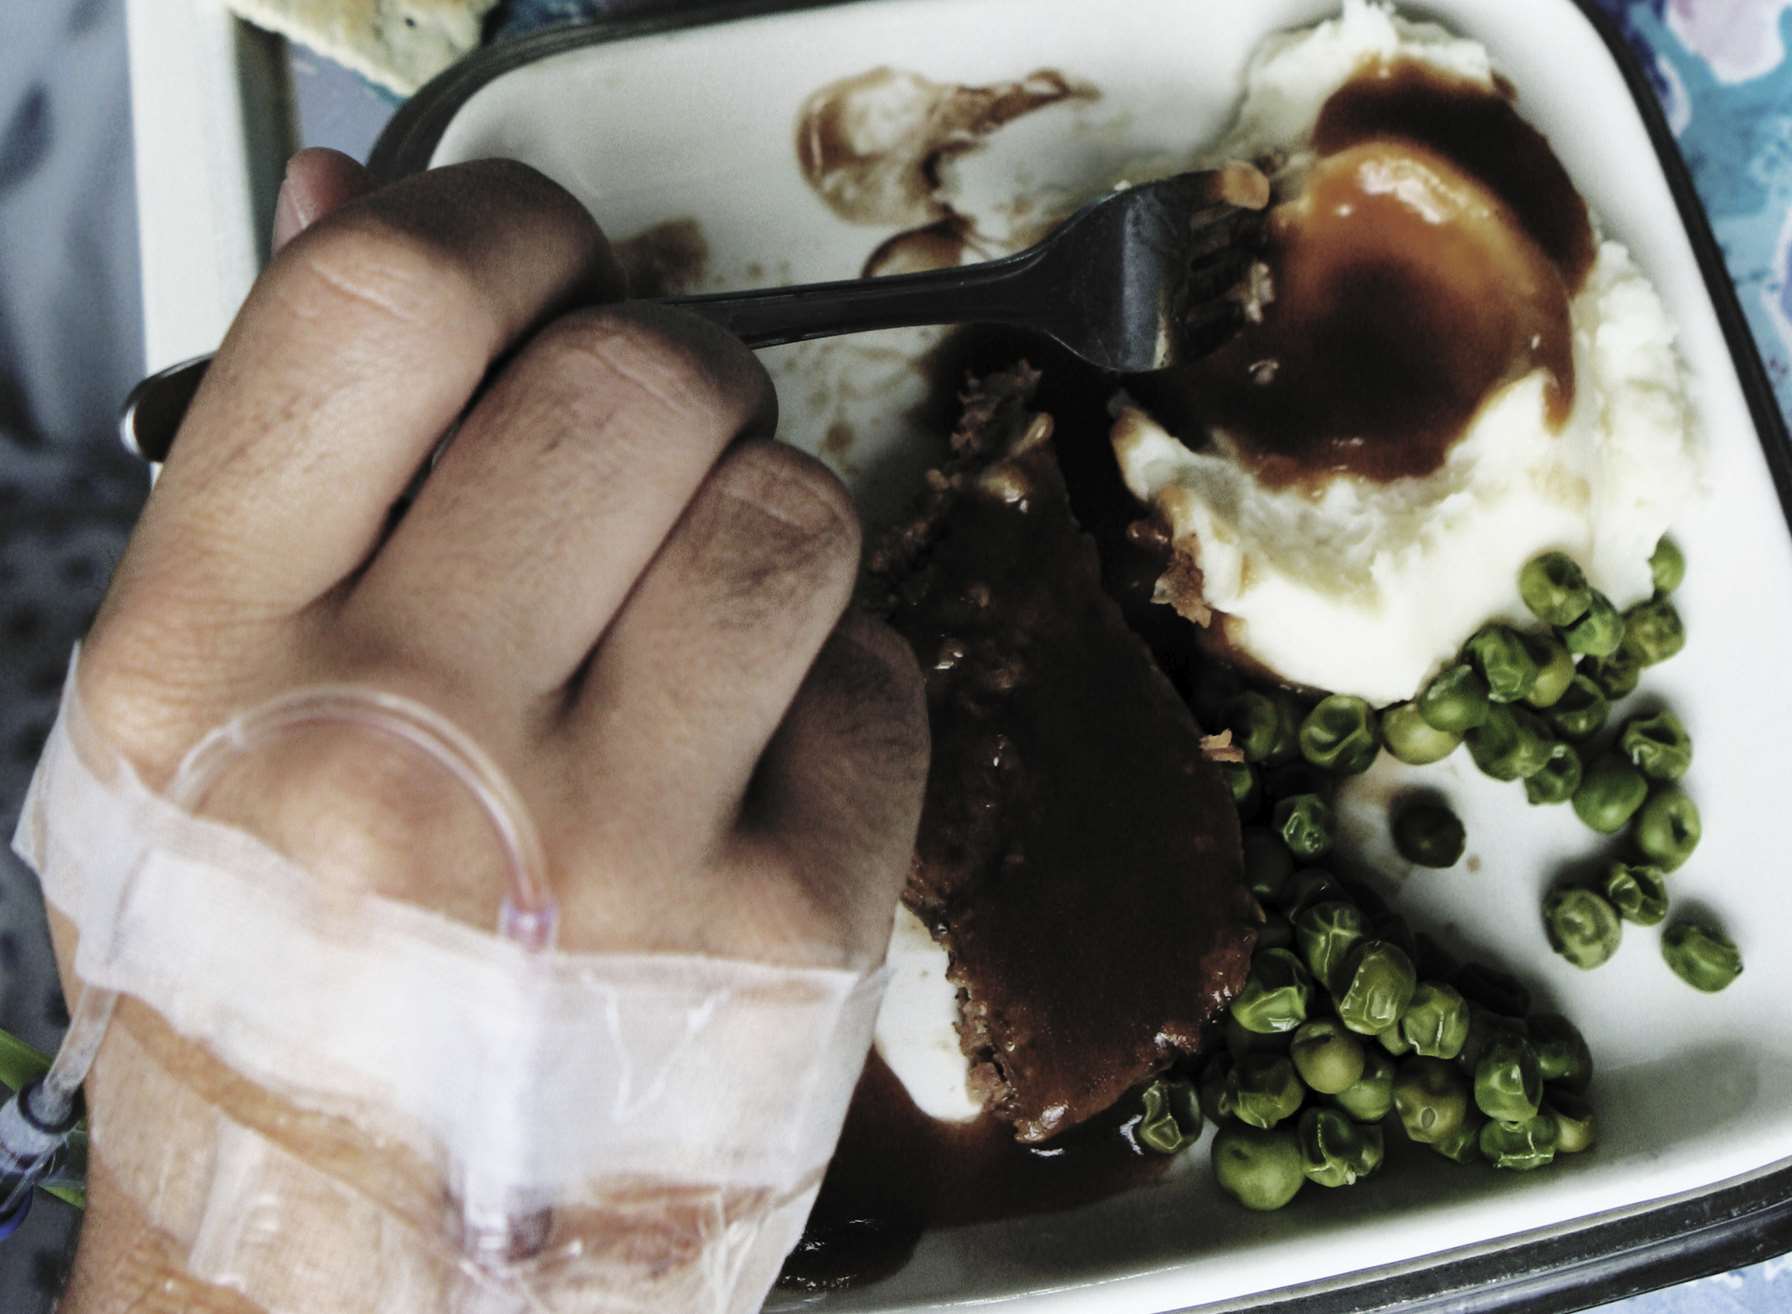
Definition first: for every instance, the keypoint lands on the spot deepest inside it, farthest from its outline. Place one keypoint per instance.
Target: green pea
(1639, 893)
(1247, 790)
(1511, 744)
(1560, 777)
(1267, 863)
(1668, 828)
(1456, 701)
(1581, 710)
(1326, 931)
(1394, 1041)
(1616, 675)
(1657, 745)
(1412, 739)
(1464, 1144)
(1508, 1081)
(1213, 1090)
(1255, 723)
(1702, 956)
(1339, 735)
(1653, 631)
(1666, 566)
(1563, 1058)
(1335, 1151)
(1305, 823)
(1431, 1098)
(1259, 1169)
(1310, 885)
(1555, 669)
(1275, 995)
(1554, 588)
(1581, 925)
(1275, 933)
(1264, 1089)
(1170, 1116)
(1370, 1098)
(1240, 1041)
(1504, 662)
(1576, 1128)
(1327, 1057)
(1611, 790)
(1373, 987)
(1486, 1029)
(1496, 991)
(1599, 632)
(1436, 1021)
(1428, 834)
(1519, 1146)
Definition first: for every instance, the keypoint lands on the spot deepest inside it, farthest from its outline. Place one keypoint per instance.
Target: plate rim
(1584, 1262)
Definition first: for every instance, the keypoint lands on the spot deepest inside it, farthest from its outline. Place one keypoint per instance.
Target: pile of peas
(1349, 1023)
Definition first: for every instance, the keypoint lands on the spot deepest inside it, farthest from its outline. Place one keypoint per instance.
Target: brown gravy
(1428, 262)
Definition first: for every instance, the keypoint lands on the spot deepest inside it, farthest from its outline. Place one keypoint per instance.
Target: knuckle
(869, 675)
(367, 262)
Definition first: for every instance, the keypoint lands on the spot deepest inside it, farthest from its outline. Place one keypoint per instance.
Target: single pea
(1431, 1098)
(1373, 987)
(1334, 1151)
(1511, 744)
(1456, 701)
(1611, 790)
(1170, 1116)
(1412, 739)
(1259, 1169)
(1555, 669)
(1581, 711)
(1560, 777)
(1267, 863)
(1668, 828)
(1212, 1090)
(1254, 721)
(1291, 710)
(1599, 632)
(1370, 1098)
(1563, 1058)
(1485, 1029)
(1581, 925)
(1339, 735)
(1265, 1089)
(1519, 1146)
(1653, 631)
(1496, 991)
(1464, 1144)
(1554, 588)
(1504, 662)
(1428, 834)
(1666, 566)
(1310, 885)
(1305, 824)
(1275, 933)
(1576, 1128)
(1702, 956)
(1638, 892)
(1327, 1057)
(1508, 1081)
(1658, 745)
(1247, 790)
(1436, 1021)
(1616, 675)
(1275, 995)
(1326, 931)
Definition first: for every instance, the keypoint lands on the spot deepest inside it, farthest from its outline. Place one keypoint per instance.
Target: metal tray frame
(1728, 1225)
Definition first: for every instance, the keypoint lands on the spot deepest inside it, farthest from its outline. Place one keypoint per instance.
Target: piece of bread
(400, 44)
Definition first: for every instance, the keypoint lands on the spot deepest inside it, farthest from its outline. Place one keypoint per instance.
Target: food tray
(692, 118)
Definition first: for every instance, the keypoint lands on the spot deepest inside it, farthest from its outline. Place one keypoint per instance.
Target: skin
(613, 580)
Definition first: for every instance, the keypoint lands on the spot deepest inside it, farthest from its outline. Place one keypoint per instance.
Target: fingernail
(289, 220)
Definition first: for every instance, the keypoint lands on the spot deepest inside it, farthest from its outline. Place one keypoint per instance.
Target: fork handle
(1001, 291)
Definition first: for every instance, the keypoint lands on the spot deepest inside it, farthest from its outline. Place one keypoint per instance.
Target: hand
(612, 578)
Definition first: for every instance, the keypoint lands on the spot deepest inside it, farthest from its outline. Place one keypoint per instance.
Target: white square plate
(697, 121)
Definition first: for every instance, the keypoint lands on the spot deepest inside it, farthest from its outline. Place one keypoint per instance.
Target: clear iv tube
(35, 1122)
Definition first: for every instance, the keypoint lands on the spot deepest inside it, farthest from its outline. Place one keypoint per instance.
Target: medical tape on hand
(582, 1080)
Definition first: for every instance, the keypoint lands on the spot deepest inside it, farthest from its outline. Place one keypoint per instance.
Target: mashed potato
(1368, 586)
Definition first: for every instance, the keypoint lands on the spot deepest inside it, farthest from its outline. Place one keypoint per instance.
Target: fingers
(317, 182)
(696, 673)
(557, 492)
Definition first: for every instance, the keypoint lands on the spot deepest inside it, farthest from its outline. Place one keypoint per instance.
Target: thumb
(317, 182)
